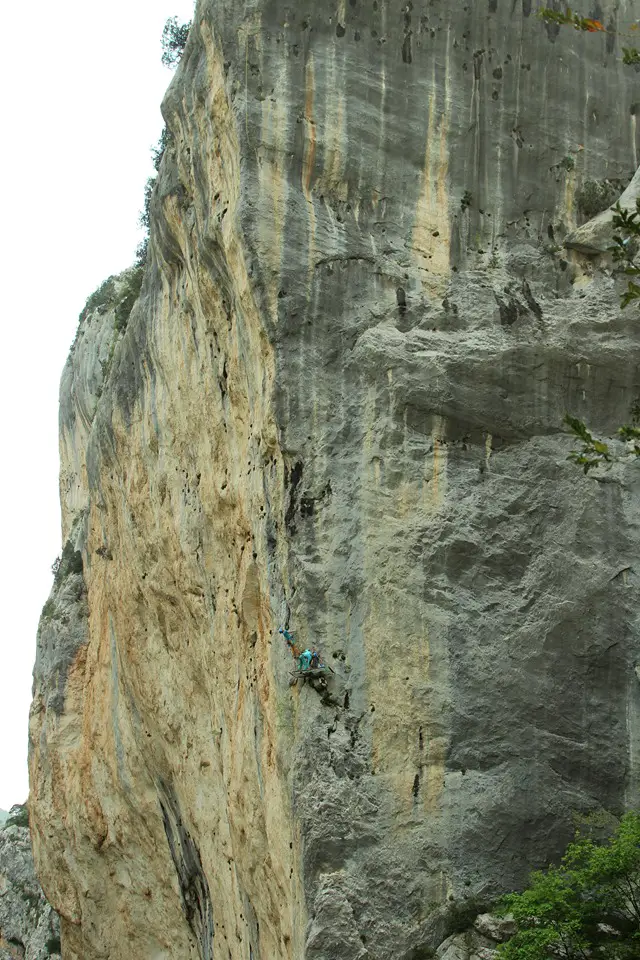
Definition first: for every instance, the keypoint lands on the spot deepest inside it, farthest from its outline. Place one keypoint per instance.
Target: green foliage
(568, 163)
(571, 19)
(594, 452)
(99, 299)
(174, 39)
(625, 249)
(48, 611)
(18, 817)
(70, 562)
(630, 55)
(141, 252)
(128, 297)
(144, 218)
(157, 152)
(587, 906)
(630, 434)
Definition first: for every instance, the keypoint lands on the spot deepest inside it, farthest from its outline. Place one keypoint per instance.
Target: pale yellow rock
(175, 681)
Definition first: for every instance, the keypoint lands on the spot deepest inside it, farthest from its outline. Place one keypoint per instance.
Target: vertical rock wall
(338, 405)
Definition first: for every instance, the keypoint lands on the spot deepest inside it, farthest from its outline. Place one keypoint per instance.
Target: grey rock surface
(29, 928)
(495, 928)
(596, 236)
(466, 946)
(338, 406)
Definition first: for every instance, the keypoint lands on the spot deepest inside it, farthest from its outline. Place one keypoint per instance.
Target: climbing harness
(309, 664)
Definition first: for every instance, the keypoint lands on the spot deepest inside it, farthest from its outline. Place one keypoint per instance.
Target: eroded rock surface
(337, 405)
(29, 928)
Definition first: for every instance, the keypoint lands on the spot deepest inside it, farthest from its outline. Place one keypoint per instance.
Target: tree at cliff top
(174, 39)
(588, 906)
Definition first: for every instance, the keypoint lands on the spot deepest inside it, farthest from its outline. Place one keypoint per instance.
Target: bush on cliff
(70, 562)
(128, 296)
(18, 816)
(174, 38)
(100, 299)
(589, 906)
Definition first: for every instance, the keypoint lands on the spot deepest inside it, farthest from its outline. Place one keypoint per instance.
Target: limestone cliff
(29, 929)
(337, 406)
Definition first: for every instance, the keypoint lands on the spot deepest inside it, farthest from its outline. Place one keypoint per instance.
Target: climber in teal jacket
(304, 660)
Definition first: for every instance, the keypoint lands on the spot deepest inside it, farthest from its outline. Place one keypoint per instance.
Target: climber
(296, 650)
(304, 660)
(308, 661)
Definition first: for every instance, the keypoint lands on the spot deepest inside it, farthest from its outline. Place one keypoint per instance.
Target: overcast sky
(82, 87)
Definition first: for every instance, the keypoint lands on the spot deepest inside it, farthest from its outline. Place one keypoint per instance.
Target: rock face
(595, 236)
(337, 406)
(29, 928)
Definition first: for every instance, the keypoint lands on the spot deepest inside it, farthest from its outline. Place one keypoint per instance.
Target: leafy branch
(572, 19)
(625, 248)
(596, 453)
(630, 55)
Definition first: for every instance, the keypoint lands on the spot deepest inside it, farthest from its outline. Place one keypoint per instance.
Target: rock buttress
(338, 404)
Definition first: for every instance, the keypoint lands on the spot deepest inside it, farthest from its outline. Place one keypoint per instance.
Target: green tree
(174, 39)
(588, 906)
(157, 152)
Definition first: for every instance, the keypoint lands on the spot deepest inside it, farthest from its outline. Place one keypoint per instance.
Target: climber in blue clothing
(308, 662)
(304, 660)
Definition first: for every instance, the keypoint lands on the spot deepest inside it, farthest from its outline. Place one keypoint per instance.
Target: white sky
(81, 109)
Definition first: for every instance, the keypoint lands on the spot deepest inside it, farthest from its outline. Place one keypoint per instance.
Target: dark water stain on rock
(611, 35)
(194, 889)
